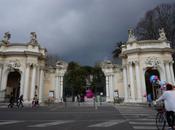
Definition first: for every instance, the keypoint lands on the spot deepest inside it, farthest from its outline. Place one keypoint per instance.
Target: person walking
(35, 101)
(169, 100)
(20, 101)
(149, 99)
(11, 101)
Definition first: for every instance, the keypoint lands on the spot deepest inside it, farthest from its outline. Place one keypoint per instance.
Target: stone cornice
(152, 41)
(145, 50)
(13, 53)
(167, 61)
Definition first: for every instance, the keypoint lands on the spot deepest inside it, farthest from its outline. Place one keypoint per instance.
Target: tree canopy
(78, 78)
(162, 16)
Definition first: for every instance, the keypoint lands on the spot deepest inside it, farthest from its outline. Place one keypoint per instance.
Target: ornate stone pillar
(172, 72)
(56, 88)
(41, 86)
(22, 83)
(111, 88)
(168, 71)
(107, 87)
(32, 90)
(1, 68)
(1, 83)
(164, 72)
(125, 80)
(26, 84)
(4, 78)
(131, 81)
(61, 87)
(139, 98)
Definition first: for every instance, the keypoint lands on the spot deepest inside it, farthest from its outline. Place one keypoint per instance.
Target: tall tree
(117, 49)
(162, 16)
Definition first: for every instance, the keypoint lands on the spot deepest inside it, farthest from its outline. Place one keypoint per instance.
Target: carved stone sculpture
(6, 37)
(162, 35)
(152, 61)
(131, 36)
(33, 38)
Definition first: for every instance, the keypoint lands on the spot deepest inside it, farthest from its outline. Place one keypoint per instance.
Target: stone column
(168, 71)
(111, 89)
(22, 83)
(125, 80)
(172, 72)
(131, 81)
(56, 88)
(41, 86)
(1, 83)
(107, 88)
(4, 78)
(32, 90)
(61, 87)
(139, 98)
(1, 68)
(164, 72)
(26, 84)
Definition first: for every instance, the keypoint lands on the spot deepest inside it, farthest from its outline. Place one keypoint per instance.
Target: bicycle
(161, 117)
(161, 120)
(20, 105)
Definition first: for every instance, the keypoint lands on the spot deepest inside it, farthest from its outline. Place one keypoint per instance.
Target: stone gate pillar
(107, 68)
(61, 68)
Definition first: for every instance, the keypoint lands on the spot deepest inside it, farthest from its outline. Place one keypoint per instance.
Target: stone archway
(13, 84)
(150, 88)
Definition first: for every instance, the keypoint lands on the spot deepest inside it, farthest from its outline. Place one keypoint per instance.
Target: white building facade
(23, 71)
(140, 60)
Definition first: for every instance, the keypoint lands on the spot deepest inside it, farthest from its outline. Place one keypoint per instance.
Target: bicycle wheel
(20, 105)
(160, 121)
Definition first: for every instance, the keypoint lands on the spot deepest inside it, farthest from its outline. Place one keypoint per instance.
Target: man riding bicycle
(169, 100)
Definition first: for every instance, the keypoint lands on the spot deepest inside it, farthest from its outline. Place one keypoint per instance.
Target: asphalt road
(73, 117)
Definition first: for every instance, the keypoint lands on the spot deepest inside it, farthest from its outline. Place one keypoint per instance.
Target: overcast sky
(84, 31)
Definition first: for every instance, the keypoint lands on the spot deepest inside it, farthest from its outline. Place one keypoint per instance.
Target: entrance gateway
(23, 70)
(140, 60)
(152, 89)
(13, 84)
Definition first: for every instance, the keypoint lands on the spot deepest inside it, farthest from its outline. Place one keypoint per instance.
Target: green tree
(117, 49)
(74, 80)
(162, 16)
(99, 81)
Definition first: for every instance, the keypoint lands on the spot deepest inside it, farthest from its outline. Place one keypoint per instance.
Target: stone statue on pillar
(162, 35)
(6, 38)
(131, 36)
(33, 38)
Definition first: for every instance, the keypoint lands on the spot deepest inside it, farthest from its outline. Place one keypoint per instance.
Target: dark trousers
(170, 118)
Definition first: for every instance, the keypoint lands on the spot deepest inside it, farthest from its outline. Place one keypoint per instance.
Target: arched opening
(13, 84)
(151, 88)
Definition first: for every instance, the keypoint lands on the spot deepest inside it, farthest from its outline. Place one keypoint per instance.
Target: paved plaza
(74, 116)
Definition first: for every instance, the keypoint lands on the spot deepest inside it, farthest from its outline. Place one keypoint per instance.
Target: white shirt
(169, 100)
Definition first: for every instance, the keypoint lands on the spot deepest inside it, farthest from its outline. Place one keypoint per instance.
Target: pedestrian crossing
(50, 123)
(140, 118)
(108, 123)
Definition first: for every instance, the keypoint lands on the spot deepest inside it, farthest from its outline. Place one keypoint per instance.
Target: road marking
(145, 127)
(51, 123)
(108, 123)
(145, 119)
(142, 123)
(9, 122)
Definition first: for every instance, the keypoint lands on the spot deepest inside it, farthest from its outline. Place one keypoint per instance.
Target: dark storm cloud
(80, 30)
